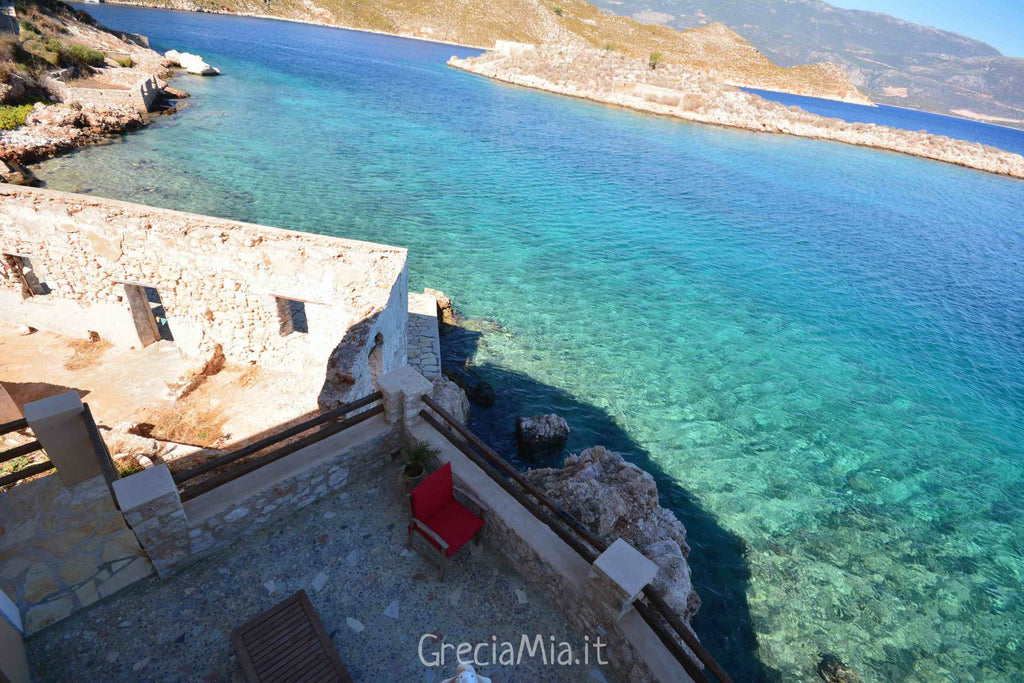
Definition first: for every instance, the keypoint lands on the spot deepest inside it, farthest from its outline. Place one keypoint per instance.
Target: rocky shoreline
(51, 130)
(673, 90)
(117, 91)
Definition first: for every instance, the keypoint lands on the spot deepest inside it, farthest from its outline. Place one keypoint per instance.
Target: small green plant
(416, 456)
(53, 45)
(13, 117)
(84, 56)
(129, 469)
(609, 47)
(125, 62)
(654, 60)
(559, 11)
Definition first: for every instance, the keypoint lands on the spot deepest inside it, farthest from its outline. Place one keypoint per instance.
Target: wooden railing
(661, 618)
(106, 463)
(321, 423)
(19, 451)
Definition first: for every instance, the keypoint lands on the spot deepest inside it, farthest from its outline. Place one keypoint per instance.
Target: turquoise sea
(817, 349)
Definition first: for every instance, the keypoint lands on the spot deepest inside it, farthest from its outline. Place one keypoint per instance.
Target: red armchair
(445, 522)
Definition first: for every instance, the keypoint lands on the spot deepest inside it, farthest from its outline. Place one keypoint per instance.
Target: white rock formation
(193, 64)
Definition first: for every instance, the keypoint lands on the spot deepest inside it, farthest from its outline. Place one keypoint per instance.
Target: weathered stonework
(142, 94)
(175, 534)
(63, 548)
(424, 341)
(221, 284)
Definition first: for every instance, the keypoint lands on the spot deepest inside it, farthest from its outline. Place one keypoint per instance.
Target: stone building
(134, 275)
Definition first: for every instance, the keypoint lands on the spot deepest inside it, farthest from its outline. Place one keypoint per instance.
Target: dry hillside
(715, 49)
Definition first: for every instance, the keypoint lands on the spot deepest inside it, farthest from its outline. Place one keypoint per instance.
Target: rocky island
(698, 94)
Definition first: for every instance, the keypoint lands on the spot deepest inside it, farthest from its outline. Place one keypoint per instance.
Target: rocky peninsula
(688, 93)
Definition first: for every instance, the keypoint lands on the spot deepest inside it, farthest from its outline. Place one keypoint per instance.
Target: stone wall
(142, 95)
(175, 534)
(221, 283)
(63, 548)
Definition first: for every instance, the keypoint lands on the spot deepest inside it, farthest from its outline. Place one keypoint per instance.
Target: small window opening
(292, 316)
(28, 275)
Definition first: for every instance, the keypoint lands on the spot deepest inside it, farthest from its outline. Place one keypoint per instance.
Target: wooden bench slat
(288, 642)
(296, 659)
(260, 641)
(284, 645)
(281, 616)
(314, 668)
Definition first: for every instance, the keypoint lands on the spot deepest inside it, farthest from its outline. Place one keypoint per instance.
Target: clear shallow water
(1010, 139)
(818, 349)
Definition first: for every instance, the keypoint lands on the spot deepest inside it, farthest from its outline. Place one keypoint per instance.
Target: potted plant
(416, 456)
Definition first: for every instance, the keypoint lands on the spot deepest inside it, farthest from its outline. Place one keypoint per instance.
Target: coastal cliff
(570, 23)
(696, 95)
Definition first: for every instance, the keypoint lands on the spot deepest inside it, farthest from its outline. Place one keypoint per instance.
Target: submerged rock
(614, 498)
(833, 670)
(478, 391)
(541, 435)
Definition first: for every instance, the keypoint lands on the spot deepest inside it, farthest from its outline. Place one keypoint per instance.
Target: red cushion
(433, 493)
(455, 524)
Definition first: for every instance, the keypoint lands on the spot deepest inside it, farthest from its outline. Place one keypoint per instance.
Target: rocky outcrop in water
(541, 436)
(445, 308)
(193, 64)
(614, 498)
(687, 93)
(478, 391)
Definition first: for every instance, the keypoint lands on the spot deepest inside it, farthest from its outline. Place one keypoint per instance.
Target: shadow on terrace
(346, 551)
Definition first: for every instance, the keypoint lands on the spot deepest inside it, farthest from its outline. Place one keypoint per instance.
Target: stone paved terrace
(424, 344)
(346, 551)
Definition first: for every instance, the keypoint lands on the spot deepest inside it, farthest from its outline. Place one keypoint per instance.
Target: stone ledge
(144, 487)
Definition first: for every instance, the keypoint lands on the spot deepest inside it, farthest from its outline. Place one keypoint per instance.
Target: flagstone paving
(375, 599)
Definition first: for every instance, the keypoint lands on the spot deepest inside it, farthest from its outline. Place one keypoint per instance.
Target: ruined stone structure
(133, 275)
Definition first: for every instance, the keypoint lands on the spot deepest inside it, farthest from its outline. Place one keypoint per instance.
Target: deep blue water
(1010, 139)
(817, 349)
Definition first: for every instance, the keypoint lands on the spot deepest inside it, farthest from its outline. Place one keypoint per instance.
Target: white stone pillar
(618, 576)
(59, 426)
(151, 506)
(402, 390)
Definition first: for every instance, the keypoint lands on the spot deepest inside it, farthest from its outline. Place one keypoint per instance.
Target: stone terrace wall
(142, 95)
(63, 548)
(176, 534)
(219, 282)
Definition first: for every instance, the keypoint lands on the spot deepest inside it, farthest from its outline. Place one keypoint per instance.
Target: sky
(1000, 23)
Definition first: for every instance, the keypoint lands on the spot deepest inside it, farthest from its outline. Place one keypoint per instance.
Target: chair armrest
(473, 501)
(427, 531)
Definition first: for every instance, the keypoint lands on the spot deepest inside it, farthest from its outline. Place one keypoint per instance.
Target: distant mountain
(894, 61)
(713, 49)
